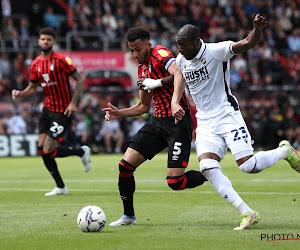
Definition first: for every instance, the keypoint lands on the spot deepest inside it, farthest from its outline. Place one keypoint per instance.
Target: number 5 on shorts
(177, 151)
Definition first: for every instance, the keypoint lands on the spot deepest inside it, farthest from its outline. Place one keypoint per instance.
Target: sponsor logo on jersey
(46, 77)
(196, 76)
(69, 61)
(163, 53)
(44, 84)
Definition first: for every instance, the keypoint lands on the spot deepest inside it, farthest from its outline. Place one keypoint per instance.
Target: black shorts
(159, 133)
(54, 124)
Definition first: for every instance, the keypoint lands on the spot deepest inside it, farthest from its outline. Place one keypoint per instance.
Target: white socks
(223, 186)
(211, 169)
(264, 159)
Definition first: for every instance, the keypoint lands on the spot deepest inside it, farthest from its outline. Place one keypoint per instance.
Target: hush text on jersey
(196, 76)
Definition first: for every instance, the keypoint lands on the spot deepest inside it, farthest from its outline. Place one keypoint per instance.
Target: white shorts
(230, 131)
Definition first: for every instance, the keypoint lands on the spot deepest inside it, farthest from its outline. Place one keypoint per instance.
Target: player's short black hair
(190, 31)
(48, 31)
(136, 33)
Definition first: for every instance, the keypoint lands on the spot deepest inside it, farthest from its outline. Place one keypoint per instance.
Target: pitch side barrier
(18, 145)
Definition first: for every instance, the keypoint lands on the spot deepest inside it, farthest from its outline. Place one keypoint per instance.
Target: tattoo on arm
(79, 86)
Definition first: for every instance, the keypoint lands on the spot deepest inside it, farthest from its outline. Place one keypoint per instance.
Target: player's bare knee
(47, 151)
(249, 166)
(208, 164)
(175, 171)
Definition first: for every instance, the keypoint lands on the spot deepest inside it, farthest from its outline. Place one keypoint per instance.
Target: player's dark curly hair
(48, 31)
(137, 33)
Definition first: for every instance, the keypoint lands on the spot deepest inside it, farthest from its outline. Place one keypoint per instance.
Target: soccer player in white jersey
(220, 125)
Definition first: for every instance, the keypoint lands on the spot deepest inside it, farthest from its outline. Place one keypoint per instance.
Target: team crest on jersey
(52, 67)
(46, 77)
(203, 61)
(69, 61)
(163, 53)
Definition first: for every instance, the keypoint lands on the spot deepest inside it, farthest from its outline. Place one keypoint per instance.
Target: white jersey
(208, 78)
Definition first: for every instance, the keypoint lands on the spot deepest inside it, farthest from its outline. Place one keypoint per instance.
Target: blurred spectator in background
(285, 22)
(235, 78)
(23, 29)
(13, 123)
(77, 41)
(82, 9)
(273, 132)
(250, 8)
(111, 131)
(121, 16)
(98, 27)
(136, 125)
(5, 64)
(240, 63)
(27, 64)
(14, 41)
(277, 71)
(289, 125)
(6, 8)
(52, 19)
(5, 88)
(71, 139)
(132, 14)
(281, 41)
(294, 41)
(82, 131)
(85, 24)
(92, 120)
(109, 20)
(8, 27)
(18, 81)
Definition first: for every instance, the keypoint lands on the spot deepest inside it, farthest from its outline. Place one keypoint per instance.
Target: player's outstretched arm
(28, 91)
(253, 38)
(72, 107)
(140, 108)
(150, 84)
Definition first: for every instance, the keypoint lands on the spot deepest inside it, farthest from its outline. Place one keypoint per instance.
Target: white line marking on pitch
(144, 180)
(142, 191)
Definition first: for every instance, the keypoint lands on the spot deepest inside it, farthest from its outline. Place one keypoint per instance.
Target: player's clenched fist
(259, 22)
(16, 94)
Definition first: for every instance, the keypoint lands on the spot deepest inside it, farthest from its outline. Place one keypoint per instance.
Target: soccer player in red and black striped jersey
(51, 71)
(160, 131)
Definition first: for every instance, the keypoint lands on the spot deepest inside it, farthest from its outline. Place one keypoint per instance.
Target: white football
(91, 219)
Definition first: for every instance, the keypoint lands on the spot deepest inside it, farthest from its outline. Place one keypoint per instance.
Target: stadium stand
(266, 80)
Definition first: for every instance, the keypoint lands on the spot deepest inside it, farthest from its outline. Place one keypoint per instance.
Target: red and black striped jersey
(156, 67)
(52, 73)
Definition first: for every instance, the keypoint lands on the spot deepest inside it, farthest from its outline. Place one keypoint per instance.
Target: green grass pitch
(191, 219)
